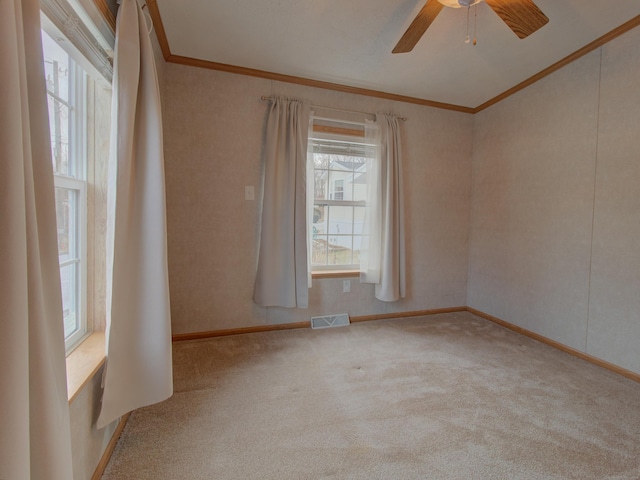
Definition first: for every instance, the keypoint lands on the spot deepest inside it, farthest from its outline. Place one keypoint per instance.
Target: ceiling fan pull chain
(466, 39)
(475, 23)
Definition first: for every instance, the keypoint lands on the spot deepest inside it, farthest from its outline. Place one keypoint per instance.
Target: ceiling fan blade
(419, 25)
(522, 16)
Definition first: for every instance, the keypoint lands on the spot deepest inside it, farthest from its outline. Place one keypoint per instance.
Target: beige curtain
(138, 370)
(282, 278)
(383, 255)
(35, 438)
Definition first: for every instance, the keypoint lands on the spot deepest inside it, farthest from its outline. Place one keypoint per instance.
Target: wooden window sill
(335, 274)
(83, 363)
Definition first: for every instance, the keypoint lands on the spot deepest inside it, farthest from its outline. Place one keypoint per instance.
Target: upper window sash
(67, 92)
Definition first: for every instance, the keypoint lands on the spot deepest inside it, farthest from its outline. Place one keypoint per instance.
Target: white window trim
(315, 268)
(77, 181)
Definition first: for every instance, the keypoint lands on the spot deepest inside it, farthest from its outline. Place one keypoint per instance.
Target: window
(66, 97)
(339, 184)
(79, 116)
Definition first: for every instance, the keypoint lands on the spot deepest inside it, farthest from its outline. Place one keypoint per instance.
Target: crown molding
(194, 62)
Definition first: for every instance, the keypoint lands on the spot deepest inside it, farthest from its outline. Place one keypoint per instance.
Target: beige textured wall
(213, 136)
(614, 302)
(556, 205)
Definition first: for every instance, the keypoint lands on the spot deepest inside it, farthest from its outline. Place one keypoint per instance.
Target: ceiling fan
(521, 16)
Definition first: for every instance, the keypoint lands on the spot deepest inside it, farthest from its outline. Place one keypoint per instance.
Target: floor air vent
(327, 321)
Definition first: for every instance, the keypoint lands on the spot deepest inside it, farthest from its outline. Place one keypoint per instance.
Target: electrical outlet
(249, 193)
(346, 286)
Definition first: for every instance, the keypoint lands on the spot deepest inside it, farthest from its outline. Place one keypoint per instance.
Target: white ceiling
(350, 42)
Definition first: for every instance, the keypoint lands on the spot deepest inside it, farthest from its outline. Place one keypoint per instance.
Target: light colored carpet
(444, 397)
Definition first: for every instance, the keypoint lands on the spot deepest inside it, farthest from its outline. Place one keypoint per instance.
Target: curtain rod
(337, 109)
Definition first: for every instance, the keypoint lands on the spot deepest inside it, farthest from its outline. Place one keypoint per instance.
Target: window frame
(89, 106)
(75, 180)
(321, 132)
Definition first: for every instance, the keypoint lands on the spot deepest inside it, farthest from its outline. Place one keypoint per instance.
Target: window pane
(358, 220)
(338, 189)
(337, 181)
(318, 235)
(358, 162)
(59, 127)
(321, 178)
(321, 161)
(58, 67)
(321, 175)
(359, 181)
(336, 162)
(320, 216)
(67, 222)
(69, 282)
(340, 220)
(357, 247)
(319, 250)
(340, 249)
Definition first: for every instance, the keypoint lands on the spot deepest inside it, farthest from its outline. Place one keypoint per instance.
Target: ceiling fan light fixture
(459, 3)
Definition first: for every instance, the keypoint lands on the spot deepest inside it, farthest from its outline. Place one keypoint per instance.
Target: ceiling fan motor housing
(459, 3)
